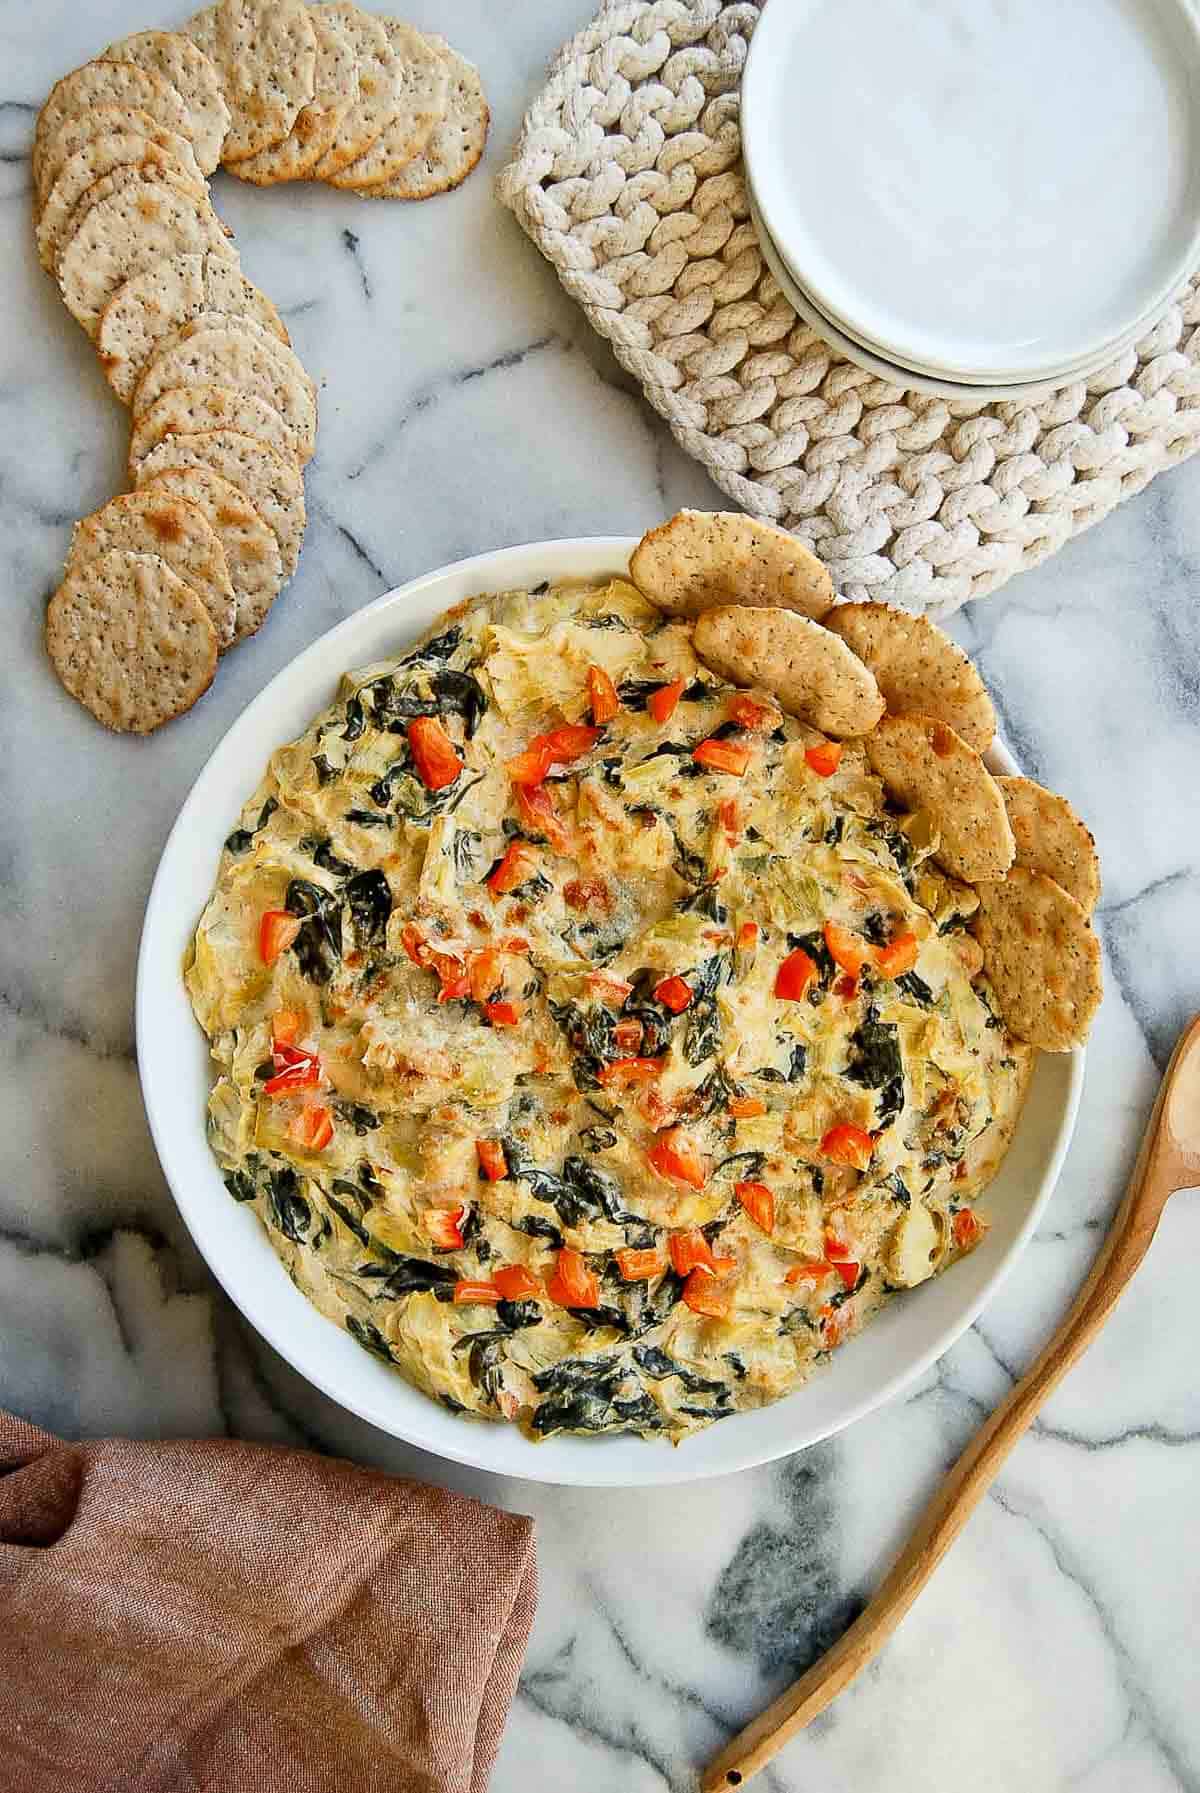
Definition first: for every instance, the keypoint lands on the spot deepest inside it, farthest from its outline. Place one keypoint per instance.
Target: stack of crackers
(162, 580)
(767, 618)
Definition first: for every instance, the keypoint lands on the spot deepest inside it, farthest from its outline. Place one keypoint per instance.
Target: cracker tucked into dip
(597, 1043)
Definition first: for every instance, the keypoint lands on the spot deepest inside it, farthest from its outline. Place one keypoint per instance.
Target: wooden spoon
(1169, 1160)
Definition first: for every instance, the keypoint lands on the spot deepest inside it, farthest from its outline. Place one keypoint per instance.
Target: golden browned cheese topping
(595, 1044)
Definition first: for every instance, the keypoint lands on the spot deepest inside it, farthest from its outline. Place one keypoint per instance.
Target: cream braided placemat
(628, 177)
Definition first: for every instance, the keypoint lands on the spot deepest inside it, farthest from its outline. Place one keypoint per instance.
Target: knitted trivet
(628, 177)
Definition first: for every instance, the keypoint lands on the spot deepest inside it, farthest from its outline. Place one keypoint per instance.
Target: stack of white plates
(984, 199)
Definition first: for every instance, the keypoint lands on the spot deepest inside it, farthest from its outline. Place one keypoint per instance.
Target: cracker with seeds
(699, 559)
(129, 231)
(364, 122)
(925, 765)
(158, 302)
(178, 532)
(162, 153)
(811, 672)
(185, 410)
(919, 669)
(1041, 957)
(194, 76)
(131, 174)
(243, 358)
(100, 83)
(422, 82)
(130, 640)
(76, 133)
(458, 139)
(316, 125)
(266, 52)
(270, 481)
(1052, 839)
(251, 550)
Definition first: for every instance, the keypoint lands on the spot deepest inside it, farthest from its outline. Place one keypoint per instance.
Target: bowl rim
(772, 184)
(231, 1239)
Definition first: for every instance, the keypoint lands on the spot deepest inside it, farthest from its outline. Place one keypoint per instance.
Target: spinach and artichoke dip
(595, 1043)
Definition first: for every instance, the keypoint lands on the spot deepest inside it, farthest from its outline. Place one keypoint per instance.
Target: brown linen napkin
(215, 1615)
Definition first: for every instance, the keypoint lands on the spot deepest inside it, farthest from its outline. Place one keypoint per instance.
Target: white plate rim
(908, 379)
(1053, 372)
(231, 1239)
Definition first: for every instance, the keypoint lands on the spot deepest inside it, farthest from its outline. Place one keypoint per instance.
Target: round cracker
(76, 133)
(1052, 839)
(368, 118)
(251, 550)
(271, 482)
(125, 233)
(266, 52)
(159, 301)
(130, 640)
(101, 83)
(1041, 958)
(316, 125)
(184, 410)
(161, 152)
(925, 765)
(161, 523)
(245, 359)
(115, 182)
(919, 669)
(811, 672)
(698, 559)
(458, 139)
(195, 77)
(422, 82)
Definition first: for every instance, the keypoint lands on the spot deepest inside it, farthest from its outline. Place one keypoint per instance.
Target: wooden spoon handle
(1165, 1164)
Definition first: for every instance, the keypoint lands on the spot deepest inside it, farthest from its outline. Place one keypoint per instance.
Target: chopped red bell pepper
(485, 973)
(537, 811)
(627, 1035)
(759, 1203)
(729, 816)
(675, 993)
(573, 1284)
(675, 1155)
(835, 1249)
(476, 1294)
(556, 748)
(661, 703)
(794, 976)
(312, 1129)
(517, 866)
(689, 1249)
(848, 1269)
(516, 1283)
(294, 1070)
(722, 756)
(847, 949)
(603, 696)
(434, 753)
(444, 1226)
(824, 758)
(745, 1108)
(846, 988)
(624, 1071)
(813, 1270)
(747, 936)
(847, 1144)
(414, 944)
(898, 956)
(503, 1014)
(967, 1229)
(708, 1295)
(639, 1266)
(492, 1161)
(749, 713)
(276, 932)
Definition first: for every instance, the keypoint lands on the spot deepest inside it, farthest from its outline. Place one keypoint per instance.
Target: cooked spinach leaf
(240, 839)
(318, 945)
(322, 854)
(369, 1337)
(369, 900)
(363, 1120)
(290, 1213)
(917, 988)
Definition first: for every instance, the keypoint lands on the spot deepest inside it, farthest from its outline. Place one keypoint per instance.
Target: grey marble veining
(466, 405)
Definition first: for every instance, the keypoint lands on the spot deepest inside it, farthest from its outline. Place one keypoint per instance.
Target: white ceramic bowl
(982, 193)
(174, 1065)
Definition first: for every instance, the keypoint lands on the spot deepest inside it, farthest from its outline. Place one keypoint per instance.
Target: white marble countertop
(465, 405)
